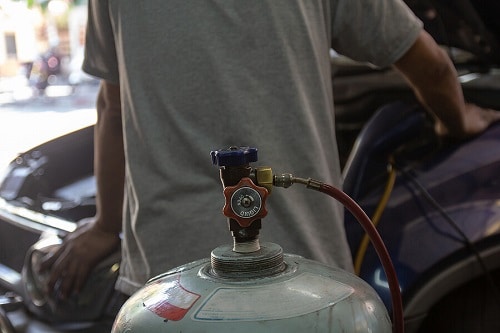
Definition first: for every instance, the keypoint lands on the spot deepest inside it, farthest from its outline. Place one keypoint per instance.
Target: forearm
(109, 159)
(433, 77)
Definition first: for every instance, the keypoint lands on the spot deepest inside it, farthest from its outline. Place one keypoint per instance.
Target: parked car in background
(435, 202)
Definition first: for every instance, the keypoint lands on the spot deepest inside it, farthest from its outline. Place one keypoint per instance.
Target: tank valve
(245, 201)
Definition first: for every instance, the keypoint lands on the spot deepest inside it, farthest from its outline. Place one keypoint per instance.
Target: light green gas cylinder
(252, 287)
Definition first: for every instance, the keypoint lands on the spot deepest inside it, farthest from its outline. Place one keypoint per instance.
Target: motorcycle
(44, 71)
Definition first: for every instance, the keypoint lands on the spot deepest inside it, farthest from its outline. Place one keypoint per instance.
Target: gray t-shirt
(201, 75)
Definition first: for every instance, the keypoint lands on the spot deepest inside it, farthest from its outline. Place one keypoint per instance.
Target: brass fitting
(264, 176)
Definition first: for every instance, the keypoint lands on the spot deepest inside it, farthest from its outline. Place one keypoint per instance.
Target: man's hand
(476, 120)
(80, 252)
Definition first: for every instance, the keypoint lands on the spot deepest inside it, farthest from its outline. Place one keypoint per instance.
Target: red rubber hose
(378, 244)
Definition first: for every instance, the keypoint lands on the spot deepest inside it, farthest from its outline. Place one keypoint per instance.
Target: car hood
(470, 25)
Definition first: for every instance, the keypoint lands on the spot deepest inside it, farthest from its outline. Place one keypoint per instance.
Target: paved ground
(27, 120)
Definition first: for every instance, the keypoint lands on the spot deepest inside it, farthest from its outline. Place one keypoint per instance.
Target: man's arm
(434, 79)
(109, 159)
(91, 242)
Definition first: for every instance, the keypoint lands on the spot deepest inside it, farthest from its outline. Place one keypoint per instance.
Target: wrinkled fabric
(196, 76)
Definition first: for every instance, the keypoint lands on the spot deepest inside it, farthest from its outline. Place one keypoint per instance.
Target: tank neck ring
(267, 261)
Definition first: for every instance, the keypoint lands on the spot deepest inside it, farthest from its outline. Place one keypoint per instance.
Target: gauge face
(246, 202)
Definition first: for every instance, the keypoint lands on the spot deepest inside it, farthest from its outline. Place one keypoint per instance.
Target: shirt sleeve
(100, 51)
(379, 32)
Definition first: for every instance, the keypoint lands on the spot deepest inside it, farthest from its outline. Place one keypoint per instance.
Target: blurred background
(43, 91)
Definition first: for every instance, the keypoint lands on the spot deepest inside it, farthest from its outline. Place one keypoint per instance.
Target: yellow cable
(360, 255)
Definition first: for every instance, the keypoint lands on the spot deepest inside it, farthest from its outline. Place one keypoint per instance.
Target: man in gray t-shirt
(182, 78)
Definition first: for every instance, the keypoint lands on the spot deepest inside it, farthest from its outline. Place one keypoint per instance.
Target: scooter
(44, 71)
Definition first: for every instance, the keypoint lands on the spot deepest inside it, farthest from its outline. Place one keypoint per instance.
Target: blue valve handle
(234, 156)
